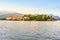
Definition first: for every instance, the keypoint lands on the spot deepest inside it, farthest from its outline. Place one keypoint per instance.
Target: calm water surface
(29, 30)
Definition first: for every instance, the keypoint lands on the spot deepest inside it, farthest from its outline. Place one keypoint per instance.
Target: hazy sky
(31, 6)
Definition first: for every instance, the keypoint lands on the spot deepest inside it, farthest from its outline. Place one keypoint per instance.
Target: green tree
(39, 18)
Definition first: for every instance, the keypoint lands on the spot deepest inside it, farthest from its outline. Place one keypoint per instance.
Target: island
(29, 17)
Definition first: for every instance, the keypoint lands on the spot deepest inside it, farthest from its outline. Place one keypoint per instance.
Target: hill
(10, 14)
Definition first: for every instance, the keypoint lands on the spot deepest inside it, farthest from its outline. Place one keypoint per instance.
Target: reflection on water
(29, 30)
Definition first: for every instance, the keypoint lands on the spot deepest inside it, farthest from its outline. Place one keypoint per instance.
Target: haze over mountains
(6, 14)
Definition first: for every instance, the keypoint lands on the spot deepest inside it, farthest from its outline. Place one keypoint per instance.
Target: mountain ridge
(6, 14)
(11, 14)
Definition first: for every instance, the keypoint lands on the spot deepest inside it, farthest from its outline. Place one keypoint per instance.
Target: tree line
(39, 17)
(30, 17)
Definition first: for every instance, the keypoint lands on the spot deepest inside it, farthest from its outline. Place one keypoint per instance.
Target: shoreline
(21, 20)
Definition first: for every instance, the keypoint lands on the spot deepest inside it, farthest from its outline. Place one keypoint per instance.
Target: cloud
(27, 10)
(53, 12)
(19, 9)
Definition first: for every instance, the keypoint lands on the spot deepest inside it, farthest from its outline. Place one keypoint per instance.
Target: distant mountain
(6, 14)
(56, 17)
(10, 14)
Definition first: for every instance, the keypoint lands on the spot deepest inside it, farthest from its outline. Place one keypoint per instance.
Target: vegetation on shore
(30, 17)
(40, 17)
(2, 18)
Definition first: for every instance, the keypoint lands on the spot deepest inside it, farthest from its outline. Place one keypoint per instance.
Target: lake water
(29, 30)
